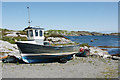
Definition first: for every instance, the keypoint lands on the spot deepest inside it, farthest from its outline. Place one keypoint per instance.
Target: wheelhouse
(35, 34)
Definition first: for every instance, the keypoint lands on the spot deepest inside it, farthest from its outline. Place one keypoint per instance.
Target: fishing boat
(37, 50)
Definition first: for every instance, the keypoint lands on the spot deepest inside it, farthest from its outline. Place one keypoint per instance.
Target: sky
(71, 16)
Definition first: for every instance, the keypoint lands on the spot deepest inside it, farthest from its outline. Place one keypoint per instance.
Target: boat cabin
(35, 34)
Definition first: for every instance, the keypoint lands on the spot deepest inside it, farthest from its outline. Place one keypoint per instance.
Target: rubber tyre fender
(63, 60)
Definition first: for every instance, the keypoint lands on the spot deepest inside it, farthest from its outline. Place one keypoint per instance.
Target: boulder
(107, 56)
(8, 48)
(115, 58)
(97, 51)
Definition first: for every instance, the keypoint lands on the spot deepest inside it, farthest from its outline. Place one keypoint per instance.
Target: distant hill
(11, 35)
(4, 32)
(76, 33)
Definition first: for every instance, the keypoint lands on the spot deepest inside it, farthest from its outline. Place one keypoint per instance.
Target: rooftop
(34, 28)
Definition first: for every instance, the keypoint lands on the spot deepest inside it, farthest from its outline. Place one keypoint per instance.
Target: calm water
(99, 41)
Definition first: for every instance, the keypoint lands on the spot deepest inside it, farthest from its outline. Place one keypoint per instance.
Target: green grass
(23, 32)
(43, 65)
(3, 33)
(17, 63)
(65, 44)
(10, 49)
(90, 61)
(96, 52)
(12, 39)
(30, 64)
(84, 44)
(1, 53)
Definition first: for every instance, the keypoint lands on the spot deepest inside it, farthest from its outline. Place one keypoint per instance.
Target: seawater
(99, 41)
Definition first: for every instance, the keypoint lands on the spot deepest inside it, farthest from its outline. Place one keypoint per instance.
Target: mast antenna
(29, 17)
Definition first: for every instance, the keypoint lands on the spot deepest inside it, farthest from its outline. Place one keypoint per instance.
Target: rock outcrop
(8, 49)
(59, 40)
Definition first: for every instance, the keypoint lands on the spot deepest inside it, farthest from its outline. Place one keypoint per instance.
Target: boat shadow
(20, 61)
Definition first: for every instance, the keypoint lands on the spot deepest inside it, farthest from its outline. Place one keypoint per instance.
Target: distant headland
(60, 32)
(78, 33)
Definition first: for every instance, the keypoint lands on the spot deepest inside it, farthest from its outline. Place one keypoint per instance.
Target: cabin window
(36, 32)
(27, 34)
(31, 33)
(40, 33)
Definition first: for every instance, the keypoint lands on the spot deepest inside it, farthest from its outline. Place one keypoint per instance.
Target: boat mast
(29, 17)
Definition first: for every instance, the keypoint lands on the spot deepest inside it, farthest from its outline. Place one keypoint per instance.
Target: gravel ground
(80, 67)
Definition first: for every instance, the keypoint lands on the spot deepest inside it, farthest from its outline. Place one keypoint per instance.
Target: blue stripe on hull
(43, 58)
